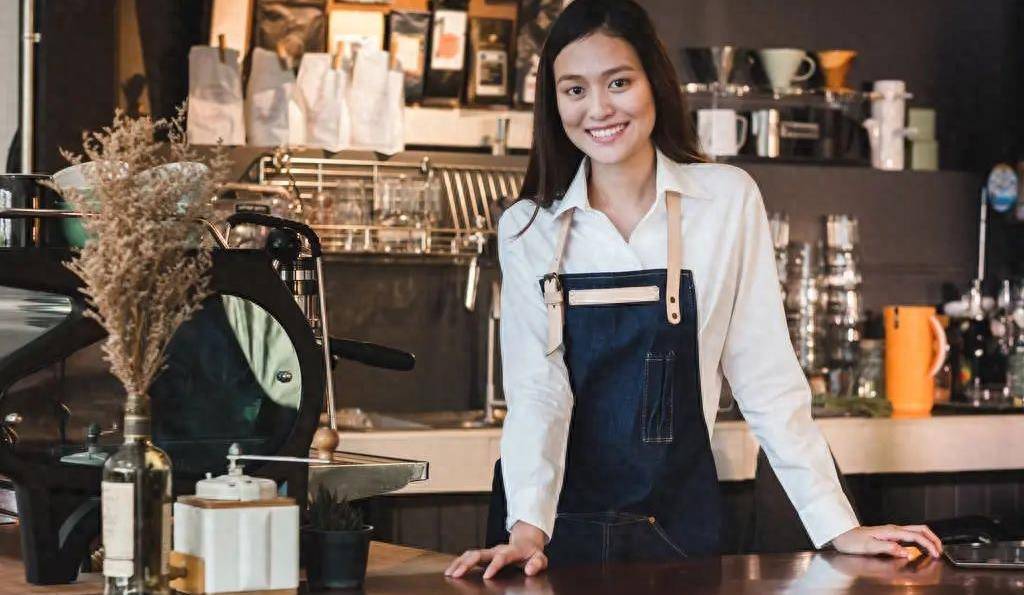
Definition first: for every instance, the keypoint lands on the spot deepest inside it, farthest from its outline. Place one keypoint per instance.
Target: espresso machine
(252, 367)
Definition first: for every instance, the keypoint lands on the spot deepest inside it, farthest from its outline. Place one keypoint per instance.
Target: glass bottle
(136, 508)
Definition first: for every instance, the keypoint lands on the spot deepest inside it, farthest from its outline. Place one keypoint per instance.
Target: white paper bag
(214, 97)
(321, 92)
(367, 99)
(268, 101)
(396, 113)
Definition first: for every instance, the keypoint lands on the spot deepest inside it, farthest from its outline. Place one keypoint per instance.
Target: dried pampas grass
(145, 265)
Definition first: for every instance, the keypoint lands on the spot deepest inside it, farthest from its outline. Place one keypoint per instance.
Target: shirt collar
(669, 176)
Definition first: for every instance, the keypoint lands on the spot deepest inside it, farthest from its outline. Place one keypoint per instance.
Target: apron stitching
(657, 527)
(643, 406)
(696, 359)
(614, 275)
(686, 273)
(670, 367)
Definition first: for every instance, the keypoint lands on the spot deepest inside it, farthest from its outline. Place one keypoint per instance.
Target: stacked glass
(804, 308)
(842, 296)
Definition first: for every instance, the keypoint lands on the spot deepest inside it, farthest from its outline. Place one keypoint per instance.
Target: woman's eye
(619, 83)
(574, 90)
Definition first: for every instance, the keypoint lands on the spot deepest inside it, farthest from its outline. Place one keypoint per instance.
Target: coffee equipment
(236, 534)
(27, 191)
(721, 68)
(781, 66)
(835, 65)
(249, 367)
(886, 127)
(776, 137)
(978, 350)
(807, 133)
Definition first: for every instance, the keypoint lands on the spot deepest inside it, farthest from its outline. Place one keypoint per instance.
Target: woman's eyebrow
(606, 73)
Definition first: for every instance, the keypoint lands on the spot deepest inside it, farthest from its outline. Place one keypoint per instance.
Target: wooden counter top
(397, 570)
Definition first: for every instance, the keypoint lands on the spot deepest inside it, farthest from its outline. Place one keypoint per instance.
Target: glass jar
(869, 376)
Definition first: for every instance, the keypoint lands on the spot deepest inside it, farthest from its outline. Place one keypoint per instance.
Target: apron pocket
(610, 537)
(656, 408)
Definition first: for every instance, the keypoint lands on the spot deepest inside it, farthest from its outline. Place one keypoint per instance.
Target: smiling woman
(631, 68)
(657, 280)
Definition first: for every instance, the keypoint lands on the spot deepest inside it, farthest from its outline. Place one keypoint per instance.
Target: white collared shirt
(742, 334)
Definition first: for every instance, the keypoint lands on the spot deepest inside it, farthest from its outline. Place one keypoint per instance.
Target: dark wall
(962, 58)
(76, 75)
(418, 308)
(918, 230)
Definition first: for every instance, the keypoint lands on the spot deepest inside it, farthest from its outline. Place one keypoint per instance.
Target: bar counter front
(395, 569)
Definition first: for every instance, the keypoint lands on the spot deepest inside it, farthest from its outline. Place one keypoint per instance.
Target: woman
(634, 276)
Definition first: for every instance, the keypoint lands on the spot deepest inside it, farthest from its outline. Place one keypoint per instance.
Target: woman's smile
(607, 135)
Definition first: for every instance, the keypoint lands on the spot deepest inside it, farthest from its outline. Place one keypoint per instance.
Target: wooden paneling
(446, 522)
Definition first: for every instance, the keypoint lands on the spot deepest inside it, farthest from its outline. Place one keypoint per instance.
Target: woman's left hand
(885, 539)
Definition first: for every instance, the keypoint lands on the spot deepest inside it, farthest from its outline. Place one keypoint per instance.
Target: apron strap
(675, 256)
(553, 297)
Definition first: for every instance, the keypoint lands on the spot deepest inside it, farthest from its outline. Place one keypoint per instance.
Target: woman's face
(604, 97)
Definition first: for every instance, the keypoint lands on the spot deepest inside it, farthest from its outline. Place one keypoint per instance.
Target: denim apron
(640, 481)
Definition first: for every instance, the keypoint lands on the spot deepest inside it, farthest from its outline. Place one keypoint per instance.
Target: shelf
(402, 242)
(465, 128)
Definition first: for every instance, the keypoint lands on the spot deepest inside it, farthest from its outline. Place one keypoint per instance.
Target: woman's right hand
(525, 548)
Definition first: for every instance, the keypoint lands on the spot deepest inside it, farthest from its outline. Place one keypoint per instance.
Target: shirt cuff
(828, 517)
(532, 505)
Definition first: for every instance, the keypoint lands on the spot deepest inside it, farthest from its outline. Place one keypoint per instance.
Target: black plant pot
(335, 559)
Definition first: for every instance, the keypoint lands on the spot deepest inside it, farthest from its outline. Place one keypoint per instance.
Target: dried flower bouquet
(145, 265)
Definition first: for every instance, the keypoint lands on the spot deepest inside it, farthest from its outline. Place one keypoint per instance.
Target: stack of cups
(804, 307)
(779, 226)
(842, 289)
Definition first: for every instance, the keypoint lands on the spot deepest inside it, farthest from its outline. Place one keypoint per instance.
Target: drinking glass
(353, 207)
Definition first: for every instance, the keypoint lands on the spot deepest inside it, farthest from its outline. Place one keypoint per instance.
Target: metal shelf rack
(470, 195)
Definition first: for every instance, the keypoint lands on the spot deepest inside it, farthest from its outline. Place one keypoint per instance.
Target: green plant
(329, 513)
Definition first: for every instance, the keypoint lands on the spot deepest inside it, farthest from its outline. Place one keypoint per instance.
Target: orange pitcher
(915, 348)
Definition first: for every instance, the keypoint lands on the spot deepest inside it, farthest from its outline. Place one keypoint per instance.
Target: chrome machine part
(29, 39)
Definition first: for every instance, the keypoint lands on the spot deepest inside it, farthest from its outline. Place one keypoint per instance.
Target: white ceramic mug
(722, 131)
(781, 66)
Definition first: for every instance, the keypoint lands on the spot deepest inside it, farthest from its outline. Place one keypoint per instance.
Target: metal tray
(1001, 554)
(355, 476)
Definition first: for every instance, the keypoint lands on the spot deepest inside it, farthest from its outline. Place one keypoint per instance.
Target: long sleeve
(770, 388)
(536, 386)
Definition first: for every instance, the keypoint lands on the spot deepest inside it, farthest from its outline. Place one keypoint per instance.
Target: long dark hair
(554, 159)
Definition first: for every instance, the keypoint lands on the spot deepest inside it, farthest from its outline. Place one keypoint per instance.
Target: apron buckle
(552, 277)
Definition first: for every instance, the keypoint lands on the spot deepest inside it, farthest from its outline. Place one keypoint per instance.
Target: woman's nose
(600, 106)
